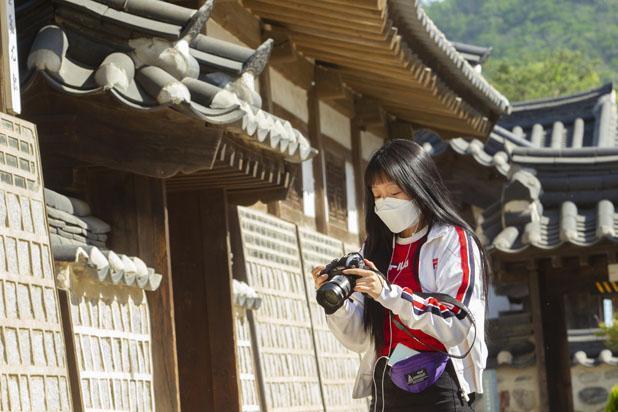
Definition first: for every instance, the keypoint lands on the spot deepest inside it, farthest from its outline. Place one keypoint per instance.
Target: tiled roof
(150, 55)
(105, 266)
(559, 158)
(78, 241)
(473, 54)
(416, 27)
(245, 296)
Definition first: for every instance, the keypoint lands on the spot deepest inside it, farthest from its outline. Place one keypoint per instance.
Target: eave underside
(374, 60)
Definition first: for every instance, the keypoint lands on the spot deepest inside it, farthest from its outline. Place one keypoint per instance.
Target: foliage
(527, 37)
(611, 335)
(612, 400)
(535, 76)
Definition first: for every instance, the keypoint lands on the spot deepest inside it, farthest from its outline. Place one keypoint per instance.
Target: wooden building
(182, 126)
(543, 191)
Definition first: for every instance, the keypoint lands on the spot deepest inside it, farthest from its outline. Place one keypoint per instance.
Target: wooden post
(357, 160)
(153, 244)
(206, 339)
(135, 207)
(557, 357)
(319, 162)
(536, 310)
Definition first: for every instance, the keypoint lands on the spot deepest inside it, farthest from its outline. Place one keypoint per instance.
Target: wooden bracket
(284, 50)
(369, 113)
(328, 84)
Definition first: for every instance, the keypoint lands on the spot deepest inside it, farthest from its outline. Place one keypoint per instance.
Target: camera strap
(443, 297)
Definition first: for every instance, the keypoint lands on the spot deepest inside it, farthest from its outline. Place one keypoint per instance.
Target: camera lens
(333, 293)
(332, 297)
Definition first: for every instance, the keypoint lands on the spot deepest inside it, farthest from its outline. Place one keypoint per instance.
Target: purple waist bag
(419, 372)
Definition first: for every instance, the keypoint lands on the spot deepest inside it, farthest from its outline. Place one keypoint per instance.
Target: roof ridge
(549, 102)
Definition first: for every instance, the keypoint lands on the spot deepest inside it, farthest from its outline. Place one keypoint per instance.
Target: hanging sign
(10, 63)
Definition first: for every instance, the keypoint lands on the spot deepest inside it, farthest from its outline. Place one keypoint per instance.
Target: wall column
(319, 169)
(135, 207)
(200, 253)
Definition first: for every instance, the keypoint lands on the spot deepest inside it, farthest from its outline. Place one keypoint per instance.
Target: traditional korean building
(217, 153)
(543, 191)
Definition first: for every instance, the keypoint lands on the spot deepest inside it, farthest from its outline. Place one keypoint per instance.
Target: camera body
(338, 287)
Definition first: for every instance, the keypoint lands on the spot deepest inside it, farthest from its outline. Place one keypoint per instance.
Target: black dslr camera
(339, 286)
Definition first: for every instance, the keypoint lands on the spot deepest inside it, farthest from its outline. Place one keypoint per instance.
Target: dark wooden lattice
(336, 190)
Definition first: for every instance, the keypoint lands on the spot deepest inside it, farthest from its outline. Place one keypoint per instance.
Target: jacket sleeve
(458, 275)
(347, 324)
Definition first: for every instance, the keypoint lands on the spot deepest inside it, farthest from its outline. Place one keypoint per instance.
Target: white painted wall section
(308, 188)
(350, 190)
(289, 96)
(370, 143)
(335, 125)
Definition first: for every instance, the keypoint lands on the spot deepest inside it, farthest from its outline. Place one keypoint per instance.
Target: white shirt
(450, 263)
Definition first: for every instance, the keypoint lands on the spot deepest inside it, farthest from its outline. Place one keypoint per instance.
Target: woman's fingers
(370, 285)
(359, 272)
(370, 264)
(316, 271)
(317, 278)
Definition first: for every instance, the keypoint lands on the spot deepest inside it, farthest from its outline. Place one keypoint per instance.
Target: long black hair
(407, 164)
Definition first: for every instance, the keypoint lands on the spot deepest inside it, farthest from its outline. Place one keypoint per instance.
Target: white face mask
(397, 214)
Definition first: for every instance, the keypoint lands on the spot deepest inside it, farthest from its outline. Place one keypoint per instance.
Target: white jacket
(448, 259)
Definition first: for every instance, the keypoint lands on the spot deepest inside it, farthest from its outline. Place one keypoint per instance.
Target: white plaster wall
(335, 125)
(308, 188)
(289, 96)
(351, 198)
(591, 386)
(369, 144)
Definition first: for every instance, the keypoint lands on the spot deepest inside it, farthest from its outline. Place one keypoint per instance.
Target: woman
(419, 251)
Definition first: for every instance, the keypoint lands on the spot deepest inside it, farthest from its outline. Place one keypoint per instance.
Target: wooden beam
(100, 132)
(319, 163)
(299, 72)
(135, 207)
(283, 50)
(205, 323)
(368, 113)
(536, 310)
(321, 19)
(400, 129)
(233, 17)
(557, 356)
(328, 84)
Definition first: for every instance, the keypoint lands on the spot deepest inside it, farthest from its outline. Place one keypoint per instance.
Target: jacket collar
(438, 230)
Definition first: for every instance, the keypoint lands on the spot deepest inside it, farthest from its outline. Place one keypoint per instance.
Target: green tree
(610, 333)
(527, 36)
(536, 75)
(612, 400)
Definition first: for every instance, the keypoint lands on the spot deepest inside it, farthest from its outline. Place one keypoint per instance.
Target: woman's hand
(369, 281)
(317, 278)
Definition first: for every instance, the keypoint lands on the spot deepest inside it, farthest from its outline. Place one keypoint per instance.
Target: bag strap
(452, 301)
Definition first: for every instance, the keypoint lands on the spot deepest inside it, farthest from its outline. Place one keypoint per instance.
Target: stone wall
(518, 389)
(591, 386)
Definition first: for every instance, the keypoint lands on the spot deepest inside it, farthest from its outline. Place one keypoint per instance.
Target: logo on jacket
(434, 262)
(401, 266)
